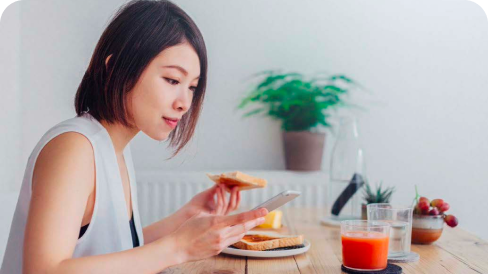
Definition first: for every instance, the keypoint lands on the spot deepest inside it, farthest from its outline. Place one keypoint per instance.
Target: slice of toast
(265, 241)
(237, 178)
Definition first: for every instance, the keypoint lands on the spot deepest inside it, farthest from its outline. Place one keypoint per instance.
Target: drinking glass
(400, 220)
(365, 244)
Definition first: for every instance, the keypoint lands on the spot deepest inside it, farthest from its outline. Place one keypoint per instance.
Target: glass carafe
(347, 173)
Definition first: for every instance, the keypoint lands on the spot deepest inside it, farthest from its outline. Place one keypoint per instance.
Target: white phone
(279, 200)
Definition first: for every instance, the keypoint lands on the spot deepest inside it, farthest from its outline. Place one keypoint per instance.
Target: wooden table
(455, 252)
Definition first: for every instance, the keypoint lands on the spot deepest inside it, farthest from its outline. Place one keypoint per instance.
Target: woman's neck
(120, 135)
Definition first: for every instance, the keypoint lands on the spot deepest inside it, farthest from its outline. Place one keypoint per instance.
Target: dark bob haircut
(138, 32)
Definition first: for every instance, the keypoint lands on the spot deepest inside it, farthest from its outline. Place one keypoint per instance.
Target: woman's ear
(106, 60)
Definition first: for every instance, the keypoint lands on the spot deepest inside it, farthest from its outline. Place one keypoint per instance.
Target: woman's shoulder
(65, 159)
(72, 141)
(77, 135)
(68, 146)
(84, 124)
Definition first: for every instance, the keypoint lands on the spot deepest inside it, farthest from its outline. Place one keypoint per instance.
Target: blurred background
(424, 65)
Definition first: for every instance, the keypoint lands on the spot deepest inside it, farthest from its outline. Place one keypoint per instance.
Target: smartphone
(279, 200)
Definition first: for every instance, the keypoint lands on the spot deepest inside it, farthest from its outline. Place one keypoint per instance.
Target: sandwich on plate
(261, 241)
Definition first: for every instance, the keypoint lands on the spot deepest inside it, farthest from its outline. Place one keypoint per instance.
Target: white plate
(267, 254)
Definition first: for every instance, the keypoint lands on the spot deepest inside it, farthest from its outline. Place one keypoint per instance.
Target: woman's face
(164, 91)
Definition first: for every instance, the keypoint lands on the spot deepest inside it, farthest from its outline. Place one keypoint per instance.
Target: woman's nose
(183, 101)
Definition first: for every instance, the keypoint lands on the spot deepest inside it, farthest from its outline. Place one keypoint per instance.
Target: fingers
(226, 205)
(235, 233)
(245, 227)
(225, 187)
(233, 240)
(209, 195)
(238, 199)
(224, 197)
(220, 201)
(212, 190)
(243, 217)
(232, 201)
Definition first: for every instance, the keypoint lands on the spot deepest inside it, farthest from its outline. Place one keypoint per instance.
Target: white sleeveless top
(109, 229)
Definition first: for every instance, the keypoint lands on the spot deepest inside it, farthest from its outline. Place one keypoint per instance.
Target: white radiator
(160, 193)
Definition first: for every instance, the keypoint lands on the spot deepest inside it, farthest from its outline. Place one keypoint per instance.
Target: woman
(77, 211)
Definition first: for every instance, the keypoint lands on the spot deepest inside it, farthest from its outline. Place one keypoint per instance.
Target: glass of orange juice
(365, 244)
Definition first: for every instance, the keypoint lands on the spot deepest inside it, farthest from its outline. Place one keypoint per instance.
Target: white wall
(425, 61)
(10, 117)
(10, 95)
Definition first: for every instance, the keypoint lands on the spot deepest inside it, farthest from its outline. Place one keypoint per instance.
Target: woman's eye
(171, 81)
(175, 82)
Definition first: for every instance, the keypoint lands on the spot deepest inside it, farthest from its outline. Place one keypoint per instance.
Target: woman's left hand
(213, 201)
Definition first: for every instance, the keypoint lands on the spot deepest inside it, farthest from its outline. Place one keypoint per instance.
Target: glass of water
(400, 220)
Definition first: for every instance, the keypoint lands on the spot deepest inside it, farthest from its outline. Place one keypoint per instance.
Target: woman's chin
(158, 136)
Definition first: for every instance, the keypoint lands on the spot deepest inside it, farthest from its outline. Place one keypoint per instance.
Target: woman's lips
(172, 123)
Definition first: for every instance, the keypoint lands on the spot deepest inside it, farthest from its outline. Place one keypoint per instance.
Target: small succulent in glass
(381, 195)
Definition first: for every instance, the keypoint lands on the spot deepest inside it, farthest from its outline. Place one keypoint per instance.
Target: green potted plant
(302, 105)
(375, 197)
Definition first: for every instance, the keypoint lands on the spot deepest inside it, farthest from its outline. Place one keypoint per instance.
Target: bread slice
(263, 241)
(237, 178)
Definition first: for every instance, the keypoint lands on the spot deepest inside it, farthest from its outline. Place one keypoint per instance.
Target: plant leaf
(253, 112)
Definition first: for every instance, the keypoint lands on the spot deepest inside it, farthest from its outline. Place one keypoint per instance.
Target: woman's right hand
(207, 235)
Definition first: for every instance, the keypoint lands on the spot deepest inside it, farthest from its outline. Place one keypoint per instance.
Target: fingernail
(261, 220)
(263, 211)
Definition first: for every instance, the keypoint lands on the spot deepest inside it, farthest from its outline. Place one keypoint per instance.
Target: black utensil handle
(356, 183)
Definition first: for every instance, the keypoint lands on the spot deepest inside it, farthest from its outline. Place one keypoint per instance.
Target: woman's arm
(151, 258)
(200, 237)
(63, 179)
(165, 226)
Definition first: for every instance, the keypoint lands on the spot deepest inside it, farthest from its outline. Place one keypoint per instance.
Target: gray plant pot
(364, 211)
(303, 150)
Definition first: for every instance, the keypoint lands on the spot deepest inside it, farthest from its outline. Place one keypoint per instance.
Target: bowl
(426, 229)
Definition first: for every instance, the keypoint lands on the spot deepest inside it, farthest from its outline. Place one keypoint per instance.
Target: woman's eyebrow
(180, 69)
